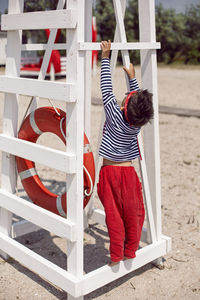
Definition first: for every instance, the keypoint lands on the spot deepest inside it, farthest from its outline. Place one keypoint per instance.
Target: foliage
(179, 34)
(105, 19)
(192, 32)
(169, 31)
(35, 5)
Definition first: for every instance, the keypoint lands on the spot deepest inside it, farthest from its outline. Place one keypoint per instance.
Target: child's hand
(130, 72)
(105, 47)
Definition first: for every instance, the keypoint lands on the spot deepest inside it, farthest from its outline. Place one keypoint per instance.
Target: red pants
(120, 192)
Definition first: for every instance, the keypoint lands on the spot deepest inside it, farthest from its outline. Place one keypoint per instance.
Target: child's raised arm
(105, 47)
(130, 71)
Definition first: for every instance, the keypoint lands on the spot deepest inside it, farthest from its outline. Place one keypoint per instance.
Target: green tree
(105, 19)
(192, 32)
(132, 28)
(35, 5)
(170, 32)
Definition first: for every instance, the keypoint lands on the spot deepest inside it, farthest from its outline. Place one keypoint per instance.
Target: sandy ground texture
(180, 176)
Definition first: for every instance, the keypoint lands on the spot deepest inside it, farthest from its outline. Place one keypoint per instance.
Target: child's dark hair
(140, 108)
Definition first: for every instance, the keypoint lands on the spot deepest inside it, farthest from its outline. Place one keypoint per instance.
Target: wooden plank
(121, 46)
(98, 215)
(39, 20)
(146, 191)
(34, 47)
(38, 215)
(39, 264)
(151, 130)
(75, 126)
(87, 46)
(33, 87)
(53, 158)
(106, 274)
(10, 115)
(23, 227)
(183, 112)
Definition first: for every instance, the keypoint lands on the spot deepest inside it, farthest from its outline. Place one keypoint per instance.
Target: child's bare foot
(113, 263)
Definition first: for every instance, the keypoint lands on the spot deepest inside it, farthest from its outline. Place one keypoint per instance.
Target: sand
(180, 166)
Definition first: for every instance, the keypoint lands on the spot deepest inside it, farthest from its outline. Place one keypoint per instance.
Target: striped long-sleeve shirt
(119, 141)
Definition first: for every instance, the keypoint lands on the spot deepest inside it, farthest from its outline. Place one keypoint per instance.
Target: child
(119, 188)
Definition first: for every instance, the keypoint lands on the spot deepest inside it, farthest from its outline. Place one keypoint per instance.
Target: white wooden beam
(59, 160)
(151, 130)
(39, 264)
(120, 46)
(39, 20)
(106, 274)
(33, 87)
(10, 115)
(75, 126)
(87, 46)
(38, 215)
(22, 227)
(36, 47)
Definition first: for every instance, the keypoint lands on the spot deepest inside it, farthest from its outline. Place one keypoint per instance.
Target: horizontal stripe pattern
(119, 141)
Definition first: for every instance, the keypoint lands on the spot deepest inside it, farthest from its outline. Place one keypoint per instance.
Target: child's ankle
(113, 263)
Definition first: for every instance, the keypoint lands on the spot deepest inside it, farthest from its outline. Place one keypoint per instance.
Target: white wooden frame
(76, 92)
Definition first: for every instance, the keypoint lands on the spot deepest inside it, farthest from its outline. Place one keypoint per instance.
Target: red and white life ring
(42, 120)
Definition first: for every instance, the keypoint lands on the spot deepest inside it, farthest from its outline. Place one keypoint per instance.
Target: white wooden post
(151, 131)
(87, 81)
(74, 130)
(10, 115)
(88, 67)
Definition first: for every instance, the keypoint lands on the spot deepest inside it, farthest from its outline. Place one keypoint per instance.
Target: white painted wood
(75, 125)
(105, 275)
(88, 68)
(53, 158)
(39, 265)
(34, 47)
(98, 215)
(39, 216)
(23, 227)
(33, 87)
(39, 20)
(151, 131)
(146, 191)
(88, 81)
(117, 38)
(8, 177)
(120, 46)
(88, 46)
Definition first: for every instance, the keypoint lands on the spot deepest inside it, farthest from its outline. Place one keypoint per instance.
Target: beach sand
(180, 189)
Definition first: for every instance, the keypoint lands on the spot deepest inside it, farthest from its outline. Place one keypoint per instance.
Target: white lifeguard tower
(76, 18)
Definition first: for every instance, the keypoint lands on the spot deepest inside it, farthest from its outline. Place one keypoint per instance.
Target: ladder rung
(122, 46)
(40, 20)
(42, 88)
(56, 159)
